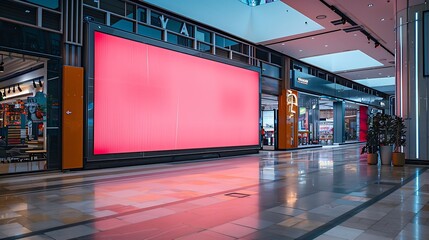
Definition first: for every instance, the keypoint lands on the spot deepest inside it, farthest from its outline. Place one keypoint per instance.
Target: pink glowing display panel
(148, 98)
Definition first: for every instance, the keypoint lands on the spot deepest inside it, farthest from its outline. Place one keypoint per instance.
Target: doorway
(23, 113)
(269, 107)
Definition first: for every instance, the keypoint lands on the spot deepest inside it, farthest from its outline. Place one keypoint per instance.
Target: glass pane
(276, 59)
(203, 36)
(97, 16)
(155, 19)
(18, 12)
(179, 40)
(141, 14)
(114, 6)
(51, 20)
(121, 23)
(131, 12)
(262, 55)
(204, 47)
(240, 58)
(222, 52)
(149, 32)
(93, 3)
(52, 4)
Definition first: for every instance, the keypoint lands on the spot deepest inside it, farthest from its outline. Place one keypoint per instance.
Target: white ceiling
(291, 27)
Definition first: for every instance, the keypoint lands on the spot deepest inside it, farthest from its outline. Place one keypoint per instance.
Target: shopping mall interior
(227, 119)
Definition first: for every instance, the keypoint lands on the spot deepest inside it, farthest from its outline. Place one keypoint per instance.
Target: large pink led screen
(148, 98)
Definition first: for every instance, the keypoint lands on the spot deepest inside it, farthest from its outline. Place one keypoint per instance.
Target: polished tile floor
(322, 193)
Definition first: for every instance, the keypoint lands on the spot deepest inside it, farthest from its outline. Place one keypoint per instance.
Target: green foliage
(372, 135)
(386, 132)
(399, 133)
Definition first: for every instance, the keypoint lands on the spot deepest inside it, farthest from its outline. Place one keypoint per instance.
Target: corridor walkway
(323, 193)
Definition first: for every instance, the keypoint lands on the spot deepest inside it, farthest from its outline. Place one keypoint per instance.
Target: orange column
(288, 119)
(72, 118)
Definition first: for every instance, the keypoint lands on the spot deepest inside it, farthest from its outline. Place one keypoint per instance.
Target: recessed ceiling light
(283, 44)
(321, 16)
(326, 45)
(27, 11)
(379, 73)
(382, 19)
(312, 38)
(370, 5)
(300, 50)
(355, 34)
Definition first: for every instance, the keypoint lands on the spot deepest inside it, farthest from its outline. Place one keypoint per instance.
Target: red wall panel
(148, 98)
(363, 123)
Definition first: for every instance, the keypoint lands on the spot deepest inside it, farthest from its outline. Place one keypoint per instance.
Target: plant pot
(398, 159)
(386, 155)
(372, 158)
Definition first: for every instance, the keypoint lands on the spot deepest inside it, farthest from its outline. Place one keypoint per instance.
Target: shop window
(114, 6)
(52, 4)
(95, 15)
(227, 43)
(51, 20)
(121, 23)
(149, 32)
(19, 12)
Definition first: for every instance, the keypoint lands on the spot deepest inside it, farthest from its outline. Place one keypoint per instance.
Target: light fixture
(343, 21)
(34, 84)
(376, 44)
(13, 89)
(40, 83)
(368, 39)
(4, 92)
(8, 91)
(19, 88)
(370, 5)
(1, 64)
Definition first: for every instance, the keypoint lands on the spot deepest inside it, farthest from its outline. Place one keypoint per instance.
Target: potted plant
(398, 126)
(385, 122)
(371, 146)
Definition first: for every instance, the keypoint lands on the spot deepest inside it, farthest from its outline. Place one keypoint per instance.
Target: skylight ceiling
(377, 82)
(256, 24)
(343, 61)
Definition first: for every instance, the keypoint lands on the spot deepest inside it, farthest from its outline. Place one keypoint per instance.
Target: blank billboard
(148, 98)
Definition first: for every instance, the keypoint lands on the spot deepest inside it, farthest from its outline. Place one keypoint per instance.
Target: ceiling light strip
(401, 66)
(416, 64)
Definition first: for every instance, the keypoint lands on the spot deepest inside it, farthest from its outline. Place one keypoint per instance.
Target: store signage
(164, 22)
(292, 101)
(302, 81)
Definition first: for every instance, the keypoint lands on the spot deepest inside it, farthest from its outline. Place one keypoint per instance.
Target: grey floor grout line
(344, 217)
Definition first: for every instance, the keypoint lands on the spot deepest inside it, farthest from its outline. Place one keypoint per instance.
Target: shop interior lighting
(8, 91)
(34, 84)
(13, 89)
(19, 88)
(1, 64)
(4, 92)
(40, 83)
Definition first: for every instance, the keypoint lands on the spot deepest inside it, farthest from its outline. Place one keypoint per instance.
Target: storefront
(29, 97)
(331, 110)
